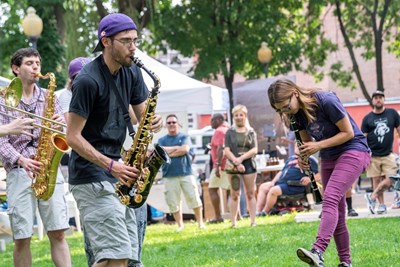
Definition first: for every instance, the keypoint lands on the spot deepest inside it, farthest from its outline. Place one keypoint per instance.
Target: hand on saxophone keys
(57, 118)
(156, 123)
(124, 173)
(31, 166)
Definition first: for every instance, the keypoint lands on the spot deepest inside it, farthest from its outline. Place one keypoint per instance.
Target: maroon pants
(338, 175)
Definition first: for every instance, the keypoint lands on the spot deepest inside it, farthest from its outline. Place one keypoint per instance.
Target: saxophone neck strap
(114, 87)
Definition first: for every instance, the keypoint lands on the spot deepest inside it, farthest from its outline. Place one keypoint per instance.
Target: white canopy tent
(180, 93)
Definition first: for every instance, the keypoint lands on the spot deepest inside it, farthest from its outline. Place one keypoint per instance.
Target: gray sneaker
(313, 257)
(371, 203)
(381, 209)
(343, 264)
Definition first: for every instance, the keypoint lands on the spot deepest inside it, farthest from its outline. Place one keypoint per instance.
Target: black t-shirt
(380, 131)
(105, 128)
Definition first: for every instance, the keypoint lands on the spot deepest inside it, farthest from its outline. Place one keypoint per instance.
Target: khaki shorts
(23, 203)
(174, 186)
(382, 166)
(218, 182)
(109, 226)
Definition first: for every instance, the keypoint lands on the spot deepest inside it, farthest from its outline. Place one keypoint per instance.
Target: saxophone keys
(138, 198)
(125, 200)
(140, 186)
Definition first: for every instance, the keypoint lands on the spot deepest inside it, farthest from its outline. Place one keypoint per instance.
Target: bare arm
(134, 119)
(345, 134)
(229, 154)
(276, 177)
(81, 146)
(156, 123)
(177, 151)
(249, 154)
(220, 154)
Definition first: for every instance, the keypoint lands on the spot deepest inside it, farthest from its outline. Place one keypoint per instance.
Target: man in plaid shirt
(17, 153)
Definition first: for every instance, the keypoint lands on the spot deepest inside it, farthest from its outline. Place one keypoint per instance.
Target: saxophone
(136, 194)
(51, 147)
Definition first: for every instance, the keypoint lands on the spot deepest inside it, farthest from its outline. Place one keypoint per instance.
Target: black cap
(378, 93)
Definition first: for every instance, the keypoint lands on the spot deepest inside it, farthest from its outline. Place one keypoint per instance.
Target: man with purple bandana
(96, 133)
(325, 127)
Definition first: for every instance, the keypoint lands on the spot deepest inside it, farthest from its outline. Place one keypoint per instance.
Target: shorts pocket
(16, 221)
(101, 228)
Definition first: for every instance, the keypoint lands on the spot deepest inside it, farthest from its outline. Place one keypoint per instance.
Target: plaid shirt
(13, 146)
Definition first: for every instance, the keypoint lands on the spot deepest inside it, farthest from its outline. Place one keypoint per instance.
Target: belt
(16, 167)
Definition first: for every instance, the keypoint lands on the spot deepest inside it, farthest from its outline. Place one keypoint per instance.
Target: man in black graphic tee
(378, 126)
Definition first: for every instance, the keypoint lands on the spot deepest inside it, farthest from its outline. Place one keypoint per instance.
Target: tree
(49, 45)
(366, 25)
(226, 35)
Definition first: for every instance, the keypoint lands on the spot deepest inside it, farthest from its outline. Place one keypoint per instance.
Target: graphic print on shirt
(381, 129)
(316, 130)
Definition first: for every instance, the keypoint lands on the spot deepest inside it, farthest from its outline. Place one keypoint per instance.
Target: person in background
(240, 149)
(378, 126)
(17, 154)
(290, 140)
(65, 94)
(218, 177)
(351, 212)
(325, 127)
(269, 192)
(96, 132)
(178, 176)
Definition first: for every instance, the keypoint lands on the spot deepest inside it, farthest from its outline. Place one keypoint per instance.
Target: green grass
(374, 242)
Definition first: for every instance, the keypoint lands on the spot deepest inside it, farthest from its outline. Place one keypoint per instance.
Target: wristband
(109, 169)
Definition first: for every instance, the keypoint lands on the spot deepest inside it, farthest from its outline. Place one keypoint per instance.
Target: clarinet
(314, 186)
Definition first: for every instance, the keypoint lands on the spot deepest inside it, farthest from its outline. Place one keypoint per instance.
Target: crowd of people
(107, 94)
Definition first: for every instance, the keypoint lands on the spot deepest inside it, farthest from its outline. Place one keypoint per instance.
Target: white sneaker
(381, 209)
(370, 203)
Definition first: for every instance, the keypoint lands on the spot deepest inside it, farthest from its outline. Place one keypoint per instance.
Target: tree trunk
(59, 12)
(101, 9)
(349, 46)
(228, 84)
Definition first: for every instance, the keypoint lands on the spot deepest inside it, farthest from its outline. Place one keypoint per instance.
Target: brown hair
(17, 57)
(172, 116)
(283, 89)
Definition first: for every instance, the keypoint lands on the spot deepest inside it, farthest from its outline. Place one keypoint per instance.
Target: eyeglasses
(171, 122)
(287, 108)
(128, 42)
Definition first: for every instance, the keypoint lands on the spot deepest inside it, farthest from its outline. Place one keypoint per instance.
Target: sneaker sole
(304, 257)
(369, 206)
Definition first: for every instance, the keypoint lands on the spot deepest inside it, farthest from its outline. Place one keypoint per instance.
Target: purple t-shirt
(329, 112)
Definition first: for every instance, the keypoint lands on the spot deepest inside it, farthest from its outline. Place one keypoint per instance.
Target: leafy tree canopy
(227, 34)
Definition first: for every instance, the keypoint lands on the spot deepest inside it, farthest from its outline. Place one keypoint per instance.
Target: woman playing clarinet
(325, 127)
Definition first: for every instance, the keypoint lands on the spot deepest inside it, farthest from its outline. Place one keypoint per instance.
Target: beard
(124, 61)
(378, 106)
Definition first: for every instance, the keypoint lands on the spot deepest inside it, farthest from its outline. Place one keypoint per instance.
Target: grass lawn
(374, 242)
